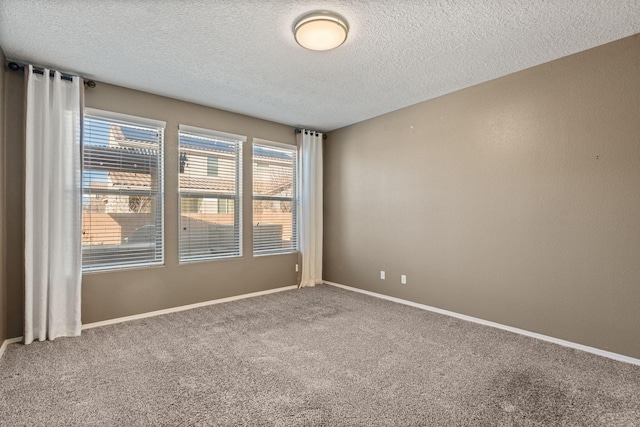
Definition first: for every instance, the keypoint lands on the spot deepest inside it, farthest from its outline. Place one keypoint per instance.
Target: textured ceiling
(241, 56)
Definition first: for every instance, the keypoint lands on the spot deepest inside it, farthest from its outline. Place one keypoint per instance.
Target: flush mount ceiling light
(320, 31)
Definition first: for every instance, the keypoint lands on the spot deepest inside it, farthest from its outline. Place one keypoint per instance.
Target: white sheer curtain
(52, 207)
(310, 206)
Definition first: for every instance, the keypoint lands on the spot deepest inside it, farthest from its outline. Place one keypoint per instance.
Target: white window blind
(210, 194)
(122, 192)
(274, 203)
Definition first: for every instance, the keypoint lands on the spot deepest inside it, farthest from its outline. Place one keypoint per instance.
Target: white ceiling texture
(241, 56)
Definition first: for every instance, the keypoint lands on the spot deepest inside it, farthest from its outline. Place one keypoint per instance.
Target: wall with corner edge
(515, 201)
(115, 294)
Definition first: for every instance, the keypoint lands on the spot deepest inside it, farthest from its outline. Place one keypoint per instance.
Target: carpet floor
(313, 357)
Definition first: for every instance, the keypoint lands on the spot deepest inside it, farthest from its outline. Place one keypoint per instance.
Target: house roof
(137, 180)
(128, 180)
(123, 159)
(137, 134)
(134, 170)
(208, 145)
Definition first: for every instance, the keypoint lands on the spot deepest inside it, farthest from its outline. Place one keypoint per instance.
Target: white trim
(593, 350)
(124, 117)
(161, 312)
(184, 307)
(232, 137)
(6, 342)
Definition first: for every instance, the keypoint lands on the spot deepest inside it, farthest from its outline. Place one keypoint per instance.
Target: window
(210, 194)
(274, 203)
(225, 206)
(212, 166)
(122, 191)
(190, 205)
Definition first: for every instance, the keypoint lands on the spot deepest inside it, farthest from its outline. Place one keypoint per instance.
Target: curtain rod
(14, 66)
(298, 130)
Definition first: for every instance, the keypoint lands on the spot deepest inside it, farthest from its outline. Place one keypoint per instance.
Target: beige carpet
(314, 357)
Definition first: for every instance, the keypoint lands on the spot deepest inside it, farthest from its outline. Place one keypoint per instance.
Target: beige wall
(515, 201)
(3, 308)
(113, 294)
(14, 202)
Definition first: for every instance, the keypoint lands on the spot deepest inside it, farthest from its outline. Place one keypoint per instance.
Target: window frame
(295, 228)
(239, 140)
(159, 193)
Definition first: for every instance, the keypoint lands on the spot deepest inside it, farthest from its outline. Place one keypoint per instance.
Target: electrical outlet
(382, 274)
(296, 268)
(403, 279)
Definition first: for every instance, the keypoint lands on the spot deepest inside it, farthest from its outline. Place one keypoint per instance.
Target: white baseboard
(184, 307)
(593, 350)
(599, 352)
(160, 312)
(6, 342)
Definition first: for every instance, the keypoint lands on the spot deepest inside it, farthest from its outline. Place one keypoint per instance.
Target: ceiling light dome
(321, 31)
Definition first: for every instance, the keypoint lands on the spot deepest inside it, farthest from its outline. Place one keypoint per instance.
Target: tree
(140, 204)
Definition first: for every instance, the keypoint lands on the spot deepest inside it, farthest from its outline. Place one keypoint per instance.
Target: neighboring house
(118, 196)
(272, 177)
(122, 192)
(206, 169)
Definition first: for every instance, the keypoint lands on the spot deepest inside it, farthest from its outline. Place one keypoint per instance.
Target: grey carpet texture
(319, 356)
